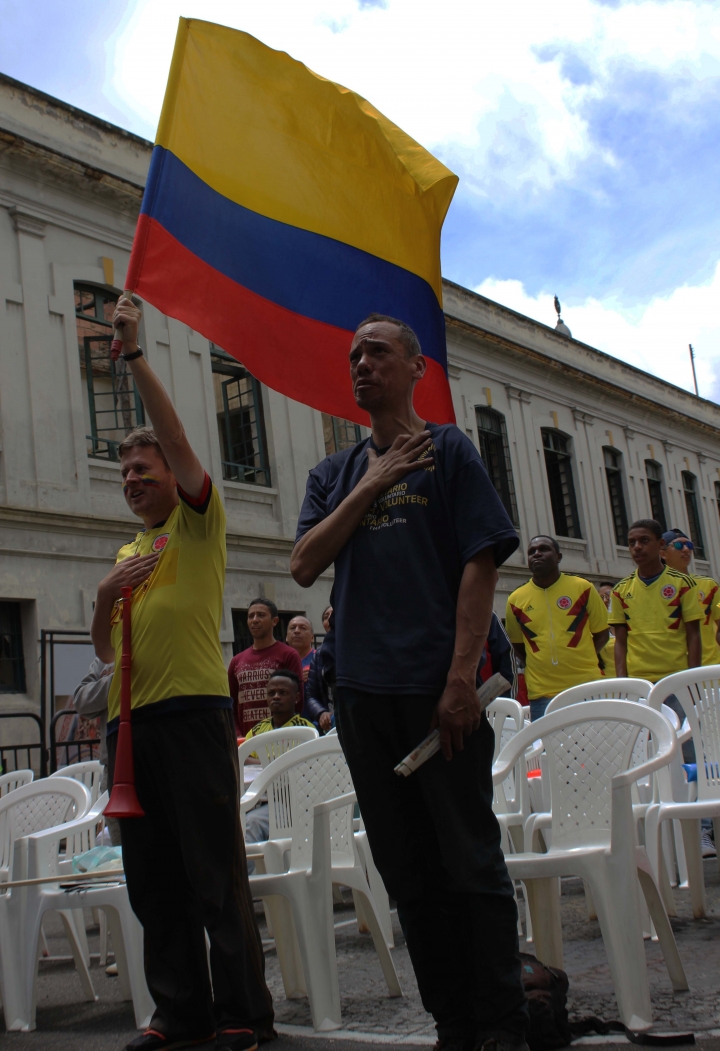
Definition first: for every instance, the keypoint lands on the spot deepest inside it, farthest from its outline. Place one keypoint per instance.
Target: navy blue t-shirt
(397, 578)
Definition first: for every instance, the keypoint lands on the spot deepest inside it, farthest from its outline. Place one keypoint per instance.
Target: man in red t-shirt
(249, 671)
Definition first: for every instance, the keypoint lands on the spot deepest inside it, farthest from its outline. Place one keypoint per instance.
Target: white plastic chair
(89, 772)
(15, 779)
(44, 859)
(314, 783)
(270, 745)
(589, 748)
(32, 807)
(698, 691)
(637, 690)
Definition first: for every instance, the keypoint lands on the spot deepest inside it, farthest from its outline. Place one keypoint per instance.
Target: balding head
(300, 635)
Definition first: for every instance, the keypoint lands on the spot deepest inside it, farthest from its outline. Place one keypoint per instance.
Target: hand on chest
(402, 503)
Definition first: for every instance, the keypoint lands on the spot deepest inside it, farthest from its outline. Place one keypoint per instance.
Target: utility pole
(692, 362)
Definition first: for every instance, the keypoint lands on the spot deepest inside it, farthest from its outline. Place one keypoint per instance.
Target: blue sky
(584, 133)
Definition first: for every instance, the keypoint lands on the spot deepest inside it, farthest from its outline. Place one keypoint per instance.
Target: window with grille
(613, 473)
(339, 434)
(558, 464)
(241, 426)
(113, 405)
(689, 482)
(12, 659)
(653, 472)
(495, 454)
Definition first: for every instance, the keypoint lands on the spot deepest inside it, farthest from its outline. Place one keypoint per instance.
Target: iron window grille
(495, 454)
(12, 658)
(114, 405)
(689, 482)
(241, 424)
(613, 473)
(654, 475)
(339, 434)
(558, 465)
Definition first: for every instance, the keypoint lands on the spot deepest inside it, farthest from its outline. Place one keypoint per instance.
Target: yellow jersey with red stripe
(655, 615)
(556, 626)
(176, 613)
(708, 595)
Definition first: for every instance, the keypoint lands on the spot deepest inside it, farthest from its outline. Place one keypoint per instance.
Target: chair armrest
(348, 799)
(321, 848)
(42, 856)
(684, 733)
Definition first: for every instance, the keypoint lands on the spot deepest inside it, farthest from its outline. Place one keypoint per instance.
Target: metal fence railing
(26, 756)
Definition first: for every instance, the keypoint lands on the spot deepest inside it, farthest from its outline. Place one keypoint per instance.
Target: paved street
(370, 1018)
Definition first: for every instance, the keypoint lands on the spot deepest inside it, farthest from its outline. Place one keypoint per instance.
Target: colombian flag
(280, 210)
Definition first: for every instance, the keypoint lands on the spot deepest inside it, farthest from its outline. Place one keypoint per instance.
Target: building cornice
(575, 374)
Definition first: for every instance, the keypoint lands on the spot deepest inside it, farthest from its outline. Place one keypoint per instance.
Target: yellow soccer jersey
(655, 615)
(557, 625)
(708, 596)
(176, 613)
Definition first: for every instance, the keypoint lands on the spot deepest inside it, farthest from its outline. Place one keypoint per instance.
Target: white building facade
(577, 443)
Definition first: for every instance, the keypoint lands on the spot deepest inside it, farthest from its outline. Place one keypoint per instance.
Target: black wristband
(131, 357)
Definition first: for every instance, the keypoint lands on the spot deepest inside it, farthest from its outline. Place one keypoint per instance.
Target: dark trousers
(436, 844)
(186, 874)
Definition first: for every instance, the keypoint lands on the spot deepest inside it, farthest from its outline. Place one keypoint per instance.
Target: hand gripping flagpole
(123, 798)
(117, 343)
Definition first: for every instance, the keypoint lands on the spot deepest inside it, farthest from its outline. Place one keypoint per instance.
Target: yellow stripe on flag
(268, 133)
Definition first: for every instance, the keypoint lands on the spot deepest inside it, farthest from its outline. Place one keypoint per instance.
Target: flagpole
(692, 362)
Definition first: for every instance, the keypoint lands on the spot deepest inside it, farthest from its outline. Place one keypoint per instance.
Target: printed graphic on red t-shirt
(248, 676)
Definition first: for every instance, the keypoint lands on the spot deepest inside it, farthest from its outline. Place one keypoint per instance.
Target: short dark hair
(144, 437)
(407, 337)
(264, 602)
(606, 584)
(544, 536)
(285, 673)
(650, 524)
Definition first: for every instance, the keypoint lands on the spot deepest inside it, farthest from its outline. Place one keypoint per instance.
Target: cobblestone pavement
(371, 1018)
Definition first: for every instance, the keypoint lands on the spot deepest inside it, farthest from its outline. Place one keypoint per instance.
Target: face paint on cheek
(145, 479)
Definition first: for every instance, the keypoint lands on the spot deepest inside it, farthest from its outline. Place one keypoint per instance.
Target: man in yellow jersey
(655, 611)
(185, 859)
(678, 554)
(557, 624)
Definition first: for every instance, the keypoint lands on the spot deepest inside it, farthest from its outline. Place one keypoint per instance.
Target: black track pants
(186, 873)
(436, 844)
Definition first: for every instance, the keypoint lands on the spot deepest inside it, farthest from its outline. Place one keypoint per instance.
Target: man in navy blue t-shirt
(416, 530)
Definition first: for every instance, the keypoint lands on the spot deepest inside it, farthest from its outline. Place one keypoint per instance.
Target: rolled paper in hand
(117, 343)
(427, 748)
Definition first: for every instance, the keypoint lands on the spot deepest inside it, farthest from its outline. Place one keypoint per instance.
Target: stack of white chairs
(89, 772)
(26, 810)
(315, 788)
(511, 803)
(698, 691)
(589, 753)
(44, 860)
(15, 779)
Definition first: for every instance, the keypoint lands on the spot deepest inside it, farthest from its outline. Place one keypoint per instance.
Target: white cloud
(465, 77)
(654, 337)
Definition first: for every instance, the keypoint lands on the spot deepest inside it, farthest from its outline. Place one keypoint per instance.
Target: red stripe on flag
(304, 359)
